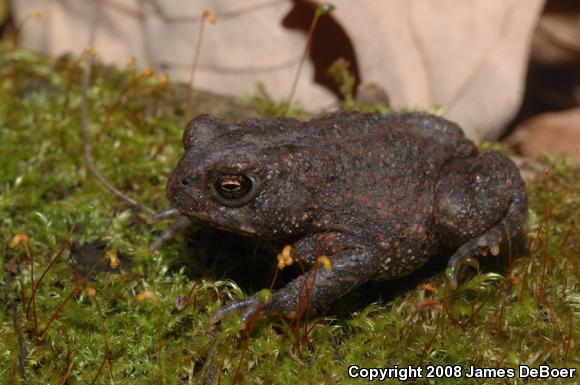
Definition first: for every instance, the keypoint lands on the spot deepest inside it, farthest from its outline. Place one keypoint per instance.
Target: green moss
(340, 72)
(266, 107)
(494, 319)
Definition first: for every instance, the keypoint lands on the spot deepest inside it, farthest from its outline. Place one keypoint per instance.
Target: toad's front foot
(315, 289)
(248, 307)
(181, 223)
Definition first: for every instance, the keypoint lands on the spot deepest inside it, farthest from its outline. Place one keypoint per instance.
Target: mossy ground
(150, 325)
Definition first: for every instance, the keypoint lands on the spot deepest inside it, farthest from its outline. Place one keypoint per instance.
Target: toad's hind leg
(479, 203)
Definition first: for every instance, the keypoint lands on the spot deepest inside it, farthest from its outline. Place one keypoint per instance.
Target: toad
(376, 195)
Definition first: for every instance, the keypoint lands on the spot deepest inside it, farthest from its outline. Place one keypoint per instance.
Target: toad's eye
(235, 189)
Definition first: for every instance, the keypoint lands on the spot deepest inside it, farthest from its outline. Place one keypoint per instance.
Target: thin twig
(99, 370)
(23, 351)
(166, 214)
(77, 287)
(180, 224)
(106, 357)
(195, 60)
(211, 19)
(39, 281)
(322, 9)
(301, 63)
(32, 296)
(87, 143)
(68, 368)
(85, 122)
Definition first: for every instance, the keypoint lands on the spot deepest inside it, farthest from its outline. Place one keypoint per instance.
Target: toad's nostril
(185, 180)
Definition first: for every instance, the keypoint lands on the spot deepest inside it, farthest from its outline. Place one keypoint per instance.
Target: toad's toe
(489, 242)
(248, 308)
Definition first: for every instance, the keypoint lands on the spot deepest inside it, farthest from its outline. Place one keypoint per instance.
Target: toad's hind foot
(489, 242)
(479, 204)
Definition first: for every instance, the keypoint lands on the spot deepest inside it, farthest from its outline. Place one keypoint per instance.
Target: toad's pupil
(231, 186)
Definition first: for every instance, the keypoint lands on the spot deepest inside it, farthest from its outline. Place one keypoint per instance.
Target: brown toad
(379, 195)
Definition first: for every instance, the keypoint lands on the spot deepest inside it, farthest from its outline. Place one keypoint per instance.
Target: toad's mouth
(238, 228)
(183, 221)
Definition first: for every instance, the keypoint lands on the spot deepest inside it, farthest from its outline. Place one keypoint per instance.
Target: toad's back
(367, 167)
